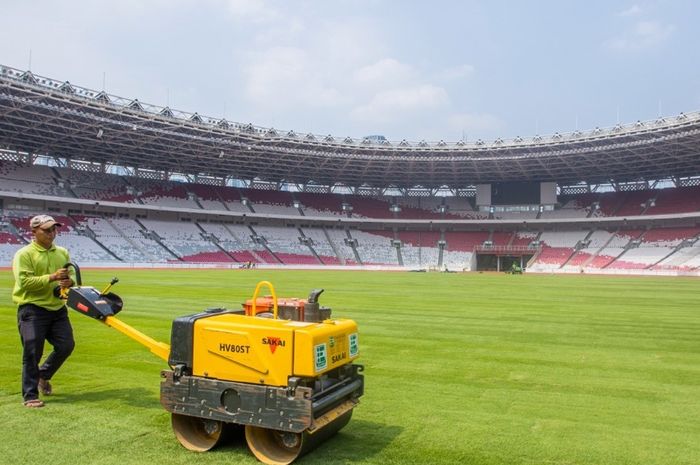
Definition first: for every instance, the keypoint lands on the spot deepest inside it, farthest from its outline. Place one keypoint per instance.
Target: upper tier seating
(421, 204)
(571, 208)
(462, 208)
(209, 197)
(529, 215)
(321, 204)
(96, 186)
(39, 179)
(271, 202)
(30, 180)
(680, 200)
(369, 207)
(167, 196)
(634, 203)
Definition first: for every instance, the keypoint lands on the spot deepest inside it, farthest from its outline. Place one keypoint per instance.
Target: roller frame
(287, 408)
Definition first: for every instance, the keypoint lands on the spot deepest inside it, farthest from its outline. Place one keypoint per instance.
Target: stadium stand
(374, 249)
(95, 186)
(321, 205)
(608, 216)
(340, 241)
(571, 208)
(465, 241)
(104, 239)
(30, 179)
(678, 200)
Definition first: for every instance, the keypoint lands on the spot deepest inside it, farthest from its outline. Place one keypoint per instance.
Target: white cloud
(273, 68)
(634, 10)
(282, 77)
(341, 68)
(643, 35)
(395, 104)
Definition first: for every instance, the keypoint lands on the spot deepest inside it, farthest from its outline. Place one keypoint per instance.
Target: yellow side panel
(325, 346)
(243, 349)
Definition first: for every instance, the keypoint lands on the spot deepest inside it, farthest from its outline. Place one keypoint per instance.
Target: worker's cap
(43, 222)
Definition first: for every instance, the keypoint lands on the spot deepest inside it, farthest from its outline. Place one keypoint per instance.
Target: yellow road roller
(281, 368)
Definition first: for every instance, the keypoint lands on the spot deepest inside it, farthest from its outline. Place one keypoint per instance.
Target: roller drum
(275, 447)
(197, 434)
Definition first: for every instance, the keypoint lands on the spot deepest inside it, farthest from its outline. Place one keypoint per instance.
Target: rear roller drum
(197, 434)
(275, 447)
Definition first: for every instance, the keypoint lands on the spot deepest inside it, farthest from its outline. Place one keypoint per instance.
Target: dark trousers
(37, 325)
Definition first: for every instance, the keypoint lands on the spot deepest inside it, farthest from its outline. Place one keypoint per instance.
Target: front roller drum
(275, 447)
(197, 434)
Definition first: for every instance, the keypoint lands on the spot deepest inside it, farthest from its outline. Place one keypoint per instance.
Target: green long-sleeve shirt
(32, 267)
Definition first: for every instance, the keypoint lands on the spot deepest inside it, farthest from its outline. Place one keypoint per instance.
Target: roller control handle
(313, 312)
(103, 306)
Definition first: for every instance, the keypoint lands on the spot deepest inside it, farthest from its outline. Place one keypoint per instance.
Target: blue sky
(404, 69)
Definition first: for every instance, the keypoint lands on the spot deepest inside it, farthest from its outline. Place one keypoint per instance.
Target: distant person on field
(39, 271)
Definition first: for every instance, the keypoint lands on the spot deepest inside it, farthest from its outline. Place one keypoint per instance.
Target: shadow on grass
(358, 441)
(135, 397)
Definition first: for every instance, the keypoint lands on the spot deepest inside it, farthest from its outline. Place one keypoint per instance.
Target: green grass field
(460, 369)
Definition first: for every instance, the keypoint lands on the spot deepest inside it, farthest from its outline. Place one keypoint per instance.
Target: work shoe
(33, 403)
(45, 387)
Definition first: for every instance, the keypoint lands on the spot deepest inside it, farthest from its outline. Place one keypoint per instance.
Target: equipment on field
(282, 368)
(514, 269)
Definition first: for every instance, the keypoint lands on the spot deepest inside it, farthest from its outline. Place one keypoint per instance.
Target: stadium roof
(44, 116)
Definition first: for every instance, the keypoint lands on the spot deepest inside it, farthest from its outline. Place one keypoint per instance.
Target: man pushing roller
(38, 270)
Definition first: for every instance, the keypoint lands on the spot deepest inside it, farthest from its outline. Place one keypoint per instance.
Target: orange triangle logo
(273, 342)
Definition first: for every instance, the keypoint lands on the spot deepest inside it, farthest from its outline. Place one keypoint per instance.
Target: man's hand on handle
(61, 275)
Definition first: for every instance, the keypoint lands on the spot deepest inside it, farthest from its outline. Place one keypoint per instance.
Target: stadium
(590, 357)
(139, 184)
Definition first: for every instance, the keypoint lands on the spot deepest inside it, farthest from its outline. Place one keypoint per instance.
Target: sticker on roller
(320, 357)
(354, 347)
